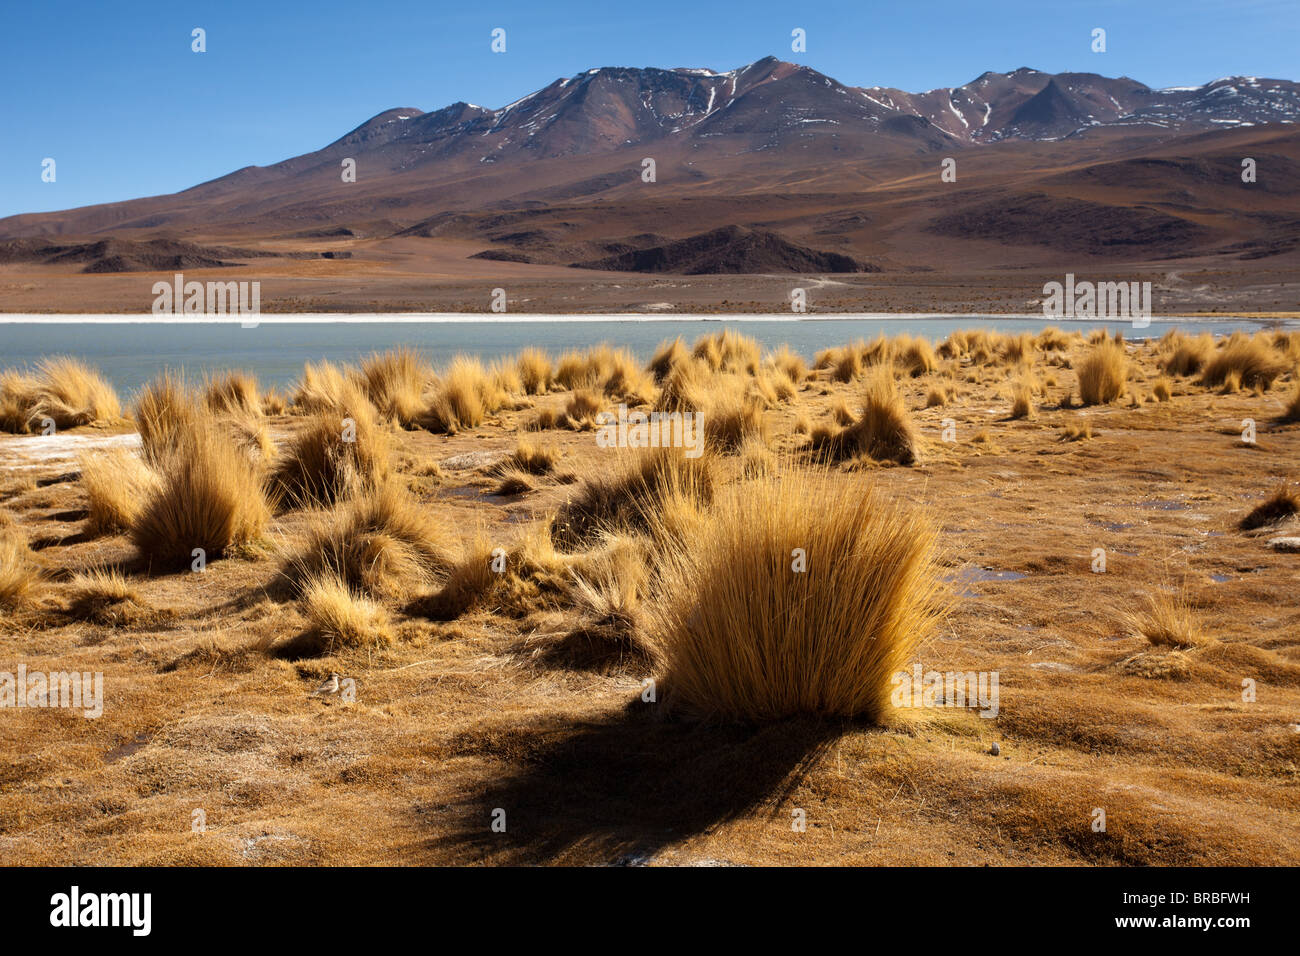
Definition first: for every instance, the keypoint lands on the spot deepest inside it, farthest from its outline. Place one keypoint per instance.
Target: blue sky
(111, 90)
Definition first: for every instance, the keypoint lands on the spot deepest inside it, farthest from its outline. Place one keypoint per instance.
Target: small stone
(995, 750)
(1286, 545)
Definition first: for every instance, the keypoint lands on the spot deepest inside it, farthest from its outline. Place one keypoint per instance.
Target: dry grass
(1072, 433)
(1242, 361)
(106, 596)
(61, 390)
(530, 459)
(341, 618)
(734, 418)
(464, 395)
(625, 494)
(164, 411)
(581, 410)
(117, 483)
(1183, 355)
(234, 393)
(1163, 389)
(208, 496)
(1022, 400)
(883, 432)
(1167, 619)
(322, 388)
(20, 575)
(395, 383)
(535, 371)
(667, 357)
(739, 634)
(336, 455)
(1292, 411)
(1102, 373)
(381, 543)
(1284, 503)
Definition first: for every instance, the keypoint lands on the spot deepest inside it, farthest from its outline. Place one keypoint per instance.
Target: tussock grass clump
(1052, 339)
(234, 393)
(530, 458)
(841, 415)
(915, 356)
(395, 383)
(1284, 503)
(322, 387)
(165, 411)
(514, 481)
(535, 371)
(1102, 373)
(883, 432)
(105, 596)
(208, 496)
(462, 398)
(380, 543)
(1022, 400)
(274, 403)
(116, 483)
(667, 357)
(1249, 362)
(336, 455)
(1072, 433)
(64, 390)
(581, 410)
(728, 351)
(20, 575)
(1183, 356)
(739, 634)
(1167, 619)
(789, 364)
(1292, 411)
(937, 396)
(341, 618)
(625, 494)
(733, 419)
(1163, 389)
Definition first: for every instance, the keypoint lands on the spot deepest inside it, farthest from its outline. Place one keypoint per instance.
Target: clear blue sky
(111, 90)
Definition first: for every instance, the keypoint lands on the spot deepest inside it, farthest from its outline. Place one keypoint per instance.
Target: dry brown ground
(455, 720)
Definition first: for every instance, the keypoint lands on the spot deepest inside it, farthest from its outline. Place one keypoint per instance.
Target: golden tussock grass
(1022, 400)
(739, 634)
(20, 575)
(339, 617)
(105, 596)
(62, 390)
(1163, 389)
(666, 357)
(1284, 503)
(274, 403)
(937, 396)
(395, 383)
(530, 458)
(1167, 619)
(1291, 413)
(625, 493)
(463, 396)
(514, 481)
(789, 364)
(382, 542)
(1182, 355)
(117, 483)
(1072, 433)
(321, 388)
(883, 431)
(232, 393)
(209, 496)
(338, 453)
(581, 410)
(164, 411)
(1248, 362)
(728, 351)
(840, 413)
(1102, 373)
(536, 372)
(734, 418)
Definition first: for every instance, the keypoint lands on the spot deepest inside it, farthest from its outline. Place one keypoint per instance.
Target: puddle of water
(1220, 578)
(1111, 526)
(971, 574)
(1162, 504)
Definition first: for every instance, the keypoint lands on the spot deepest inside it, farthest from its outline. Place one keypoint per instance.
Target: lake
(131, 353)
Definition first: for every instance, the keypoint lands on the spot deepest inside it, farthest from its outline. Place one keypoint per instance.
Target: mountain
(771, 168)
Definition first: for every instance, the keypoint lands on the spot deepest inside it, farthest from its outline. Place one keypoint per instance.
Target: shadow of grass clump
(621, 789)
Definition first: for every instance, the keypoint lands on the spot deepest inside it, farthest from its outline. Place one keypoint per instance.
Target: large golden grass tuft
(165, 410)
(395, 383)
(1167, 619)
(338, 453)
(1250, 362)
(117, 483)
(739, 634)
(381, 543)
(234, 393)
(209, 496)
(535, 371)
(627, 493)
(19, 573)
(61, 390)
(884, 431)
(342, 618)
(1102, 373)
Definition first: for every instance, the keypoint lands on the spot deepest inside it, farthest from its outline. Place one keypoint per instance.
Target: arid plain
(1123, 687)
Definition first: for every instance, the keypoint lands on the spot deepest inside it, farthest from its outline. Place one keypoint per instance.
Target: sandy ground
(455, 721)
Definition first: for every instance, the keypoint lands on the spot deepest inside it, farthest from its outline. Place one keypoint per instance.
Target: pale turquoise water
(130, 354)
